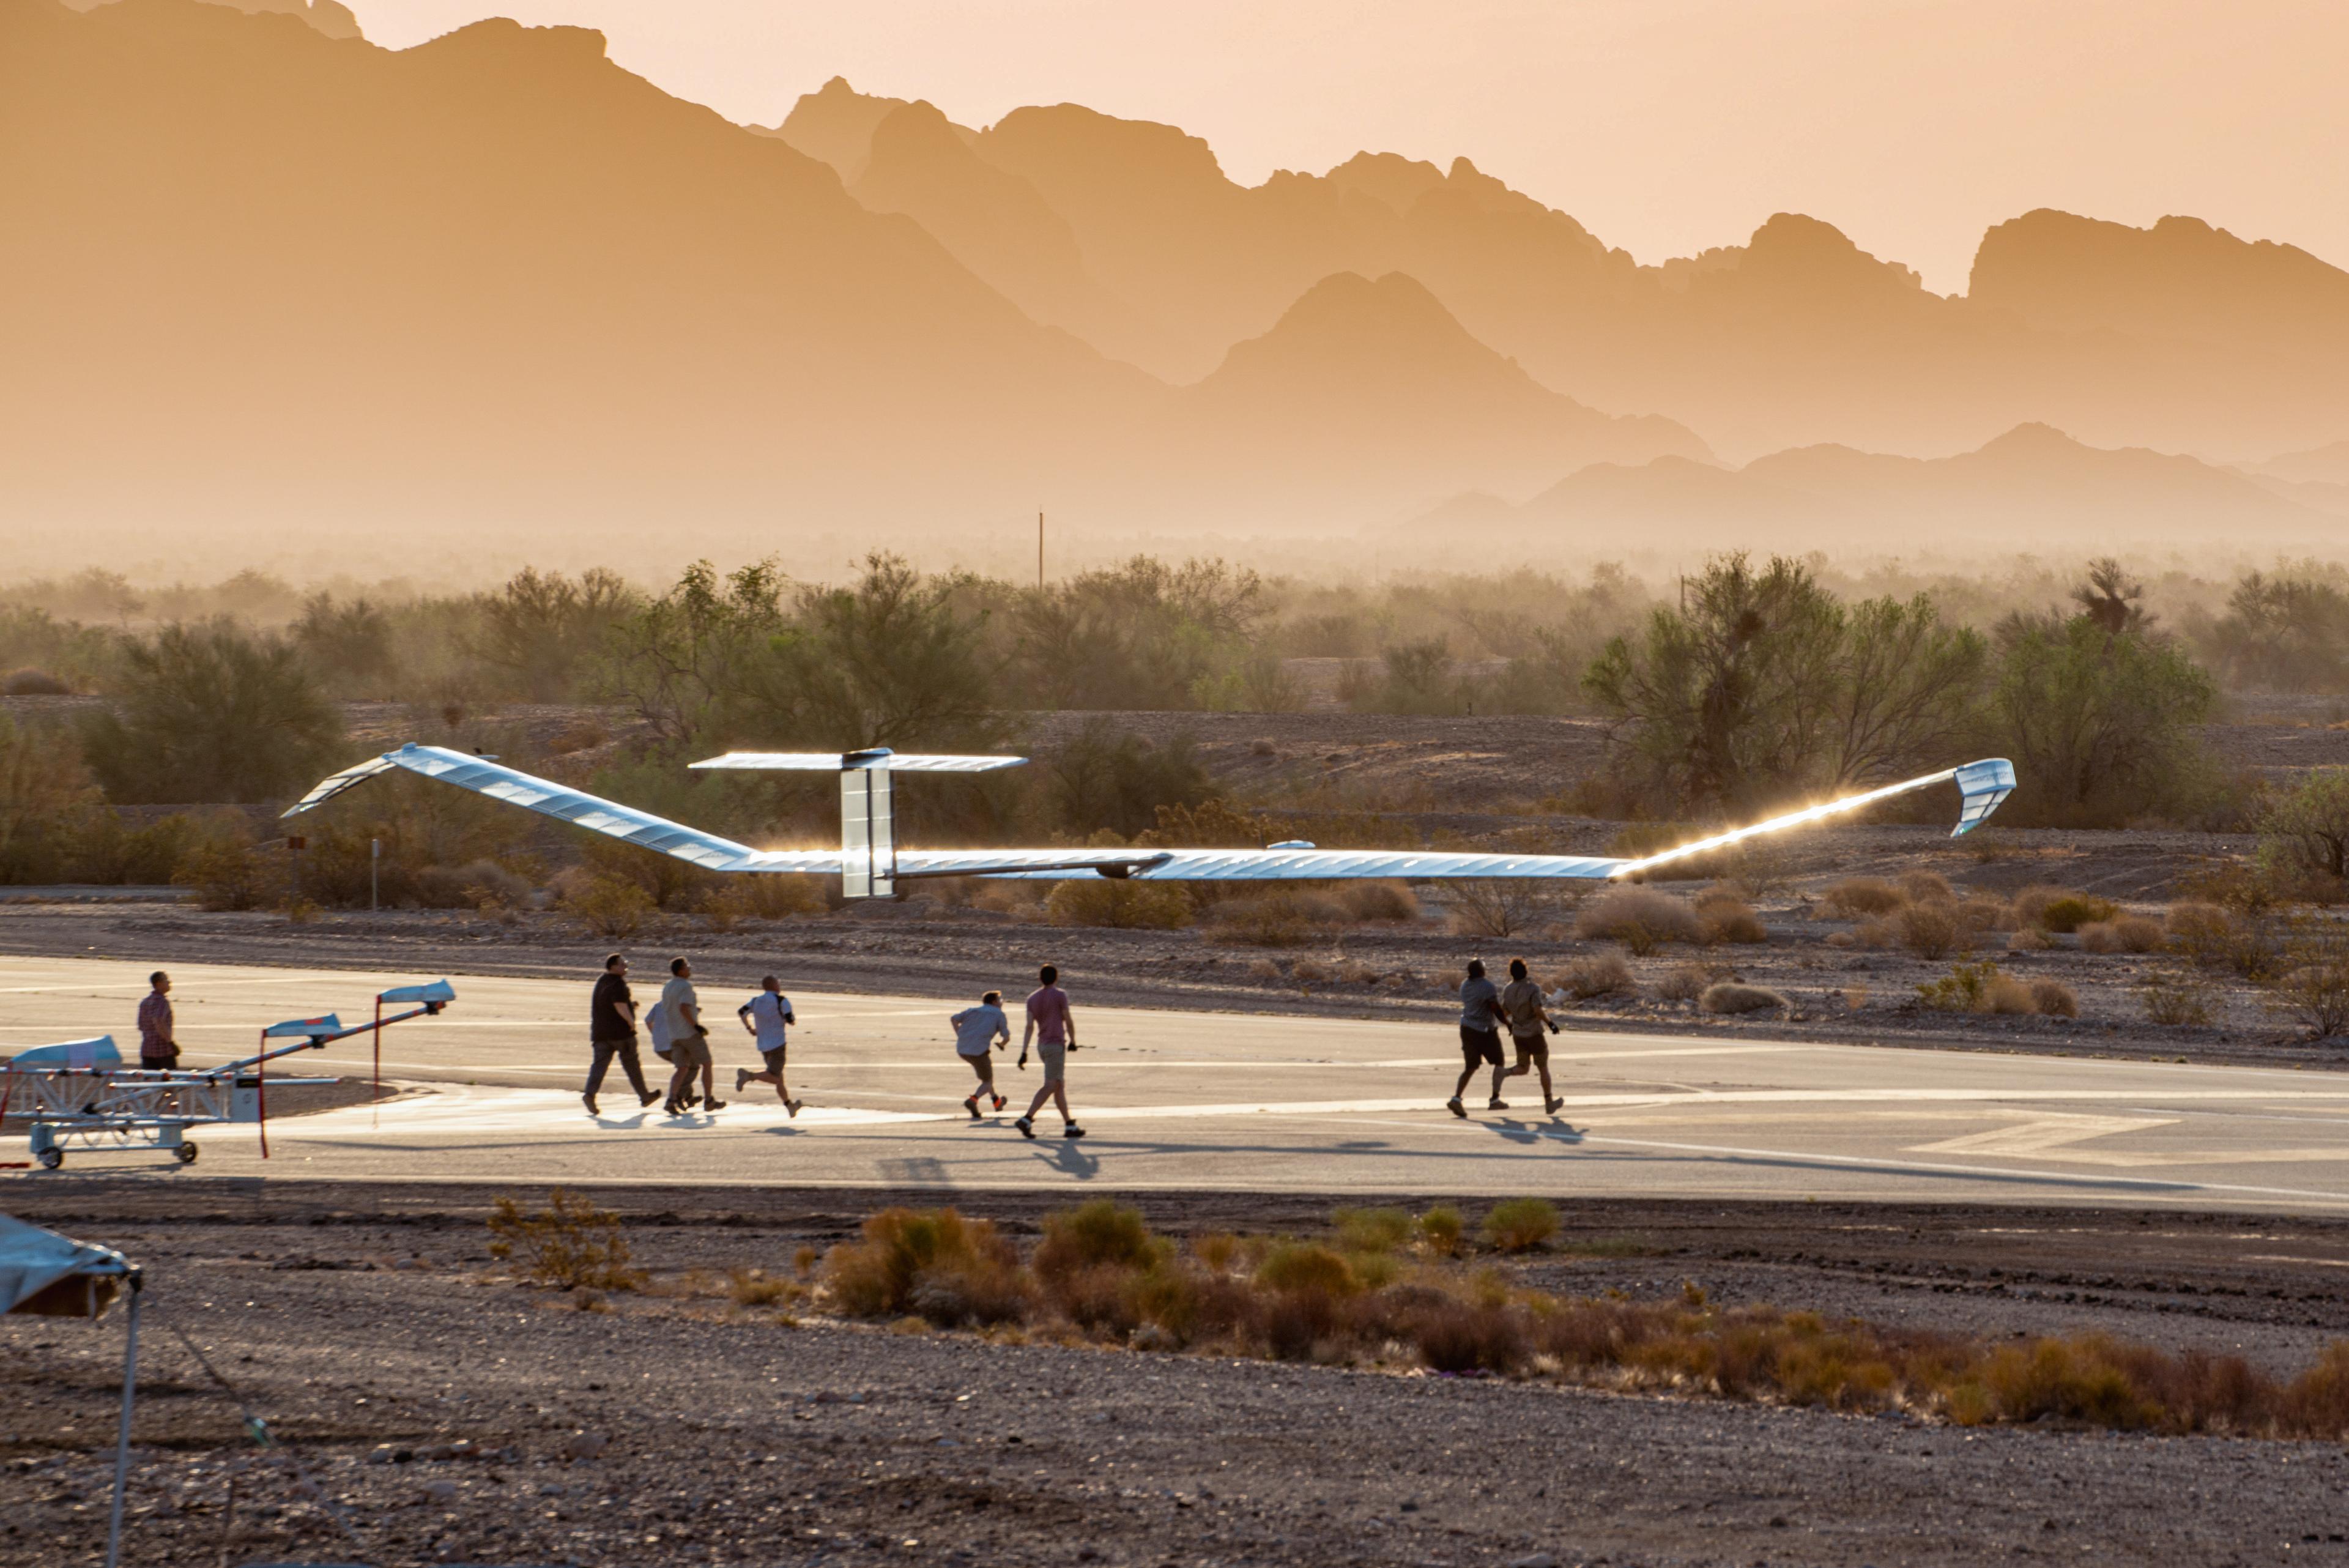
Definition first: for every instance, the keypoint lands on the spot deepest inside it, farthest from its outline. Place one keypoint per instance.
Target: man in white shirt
(978, 1029)
(688, 1043)
(765, 1015)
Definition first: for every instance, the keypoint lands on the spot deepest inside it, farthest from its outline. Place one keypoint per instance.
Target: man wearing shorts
(612, 1032)
(765, 1015)
(688, 1043)
(1053, 1027)
(1521, 1005)
(979, 1031)
(1480, 1041)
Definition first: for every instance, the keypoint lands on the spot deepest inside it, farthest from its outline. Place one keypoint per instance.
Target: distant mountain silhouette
(1377, 380)
(2326, 465)
(2027, 488)
(328, 16)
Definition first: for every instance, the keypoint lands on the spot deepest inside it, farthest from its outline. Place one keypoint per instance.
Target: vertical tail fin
(868, 834)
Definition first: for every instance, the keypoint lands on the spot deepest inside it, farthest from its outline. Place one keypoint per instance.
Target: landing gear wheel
(186, 1153)
(51, 1159)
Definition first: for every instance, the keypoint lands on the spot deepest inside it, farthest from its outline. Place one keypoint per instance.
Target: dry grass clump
(2174, 999)
(1736, 996)
(933, 1264)
(2220, 940)
(1380, 900)
(1595, 974)
(1283, 918)
(1683, 982)
(1925, 886)
(1119, 903)
(1979, 914)
(570, 1244)
(1520, 1224)
(1100, 1275)
(1724, 917)
(610, 907)
(1504, 906)
(2028, 939)
(1986, 988)
(2053, 999)
(1931, 931)
(1641, 918)
(2126, 934)
(2060, 909)
(1855, 897)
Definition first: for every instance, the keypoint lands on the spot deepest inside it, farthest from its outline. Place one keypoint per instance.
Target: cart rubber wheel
(187, 1153)
(51, 1159)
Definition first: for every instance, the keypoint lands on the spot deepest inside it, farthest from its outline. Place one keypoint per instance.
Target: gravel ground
(678, 1429)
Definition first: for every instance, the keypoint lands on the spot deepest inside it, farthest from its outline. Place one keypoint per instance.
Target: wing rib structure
(873, 864)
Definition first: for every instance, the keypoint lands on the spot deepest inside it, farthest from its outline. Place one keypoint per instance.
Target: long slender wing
(550, 799)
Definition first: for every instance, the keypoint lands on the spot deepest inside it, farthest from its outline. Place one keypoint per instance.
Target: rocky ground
(431, 1410)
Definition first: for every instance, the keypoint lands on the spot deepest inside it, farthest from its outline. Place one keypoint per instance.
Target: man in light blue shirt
(978, 1030)
(765, 1015)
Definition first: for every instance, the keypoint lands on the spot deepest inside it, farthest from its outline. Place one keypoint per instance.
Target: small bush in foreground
(1931, 931)
(1683, 982)
(1504, 907)
(1854, 896)
(2313, 988)
(1730, 920)
(570, 1244)
(1736, 996)
(1521, 1224)
(1595, 974)
(2176, 999)
(2123, 934)
(2053, 999)
(932, 1263)
(2068, 914)
(1439, 1227)
(610, 907)
(1641, 918)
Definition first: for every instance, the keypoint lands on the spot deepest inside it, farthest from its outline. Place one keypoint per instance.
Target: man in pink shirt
(1053, 1028)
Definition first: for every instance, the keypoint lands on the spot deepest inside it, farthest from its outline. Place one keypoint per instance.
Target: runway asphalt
(1224, 1100)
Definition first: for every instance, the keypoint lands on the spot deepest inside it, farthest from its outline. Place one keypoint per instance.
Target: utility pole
(375, 861)
(1039, 552)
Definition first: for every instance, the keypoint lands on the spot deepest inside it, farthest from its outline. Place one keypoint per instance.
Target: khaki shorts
(1055, 1060)
(1532, 1048)
(689, 1051)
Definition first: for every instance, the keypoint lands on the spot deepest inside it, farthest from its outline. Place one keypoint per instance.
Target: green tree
(2304, 832)
(46, 796)
(1143, 635)
(681, 658)
(1105, 777)
(348, 644)
(2284, 632)
(1761, 684)
(212, 712)
(544, 630)
(893, 660)
(2101, 725)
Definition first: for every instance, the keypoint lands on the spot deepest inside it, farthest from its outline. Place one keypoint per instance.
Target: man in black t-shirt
(612, 1032)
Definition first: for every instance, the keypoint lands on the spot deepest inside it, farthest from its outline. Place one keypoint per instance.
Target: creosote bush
(1854, 896)
(1641, 918)
(1119, 903)
(1520, 1224)
(2123, 934)
(1932, 931)
(1730, 996)
(570, 1244)
(1595, 974)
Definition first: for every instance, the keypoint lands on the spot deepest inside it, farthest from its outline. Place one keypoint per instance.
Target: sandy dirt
(374, 1334)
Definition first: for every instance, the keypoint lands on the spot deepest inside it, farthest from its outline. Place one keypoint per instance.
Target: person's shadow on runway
(1068, 1156)
(1550, 1130)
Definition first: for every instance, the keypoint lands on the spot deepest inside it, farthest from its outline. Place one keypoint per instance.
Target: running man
(764, 1015)
(1521, 1005)
(688, 1043)
(1480, 1041)
(612, 1032)
(978, 1031)
(158, 1047)
(1053, 1028)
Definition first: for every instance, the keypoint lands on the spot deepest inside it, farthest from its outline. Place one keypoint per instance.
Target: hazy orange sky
(1665, 125)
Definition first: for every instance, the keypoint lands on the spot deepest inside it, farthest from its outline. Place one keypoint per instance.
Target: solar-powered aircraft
(870, 863)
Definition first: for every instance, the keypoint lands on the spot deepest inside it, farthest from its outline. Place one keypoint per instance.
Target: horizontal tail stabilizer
(879, 759)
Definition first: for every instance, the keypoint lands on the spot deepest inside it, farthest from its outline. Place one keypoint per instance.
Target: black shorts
(773, 1059)
(1480, 1045)
(160, 1063)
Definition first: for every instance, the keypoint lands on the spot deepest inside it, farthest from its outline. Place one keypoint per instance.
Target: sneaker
(1497, 1105)
(1554, 1107)
(1026, 1129)
(792, 1106)
(971, 1104)
(1455, 1106)
(715, 1105)
(647, 1098)
(742, 1074)
(999, 1101)
(589, 1100)
(1070, 1129)
(671, 1108)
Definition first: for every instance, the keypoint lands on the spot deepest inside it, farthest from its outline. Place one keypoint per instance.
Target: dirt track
(351, 1321)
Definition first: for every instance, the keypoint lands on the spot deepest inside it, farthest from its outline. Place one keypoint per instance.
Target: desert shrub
(933, 1264)
(1730, 920)
(1503, 906)
(31, 682)
(1107, 778)
(212, 712)
(1856, 895)
(1439, 1229)
(1282, 918)
(2176, 998)
(2068, 914)
(570, 1244)
(2028, 939)
(2126, 934)
(1869, 934)
(1979, 915)
(227, 871)
(1297, 1322)
(610, 907)
(2031, 904)
(1306, 1266)
(2304, 832)
(2012, 997)
(1931, 931)
(2055, 999)
(1372, 1230)
(1641, 918)
(1596, 974)
(1119, 903)
(757, 1288)
(1093, 1235)
(1923, 886)
(1465, 1336)
(1965, 989)
(1520, 1224)
(2248, 943)
(1732, 996)
(2312, 985)
(1683, 982)
(1379, 899)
